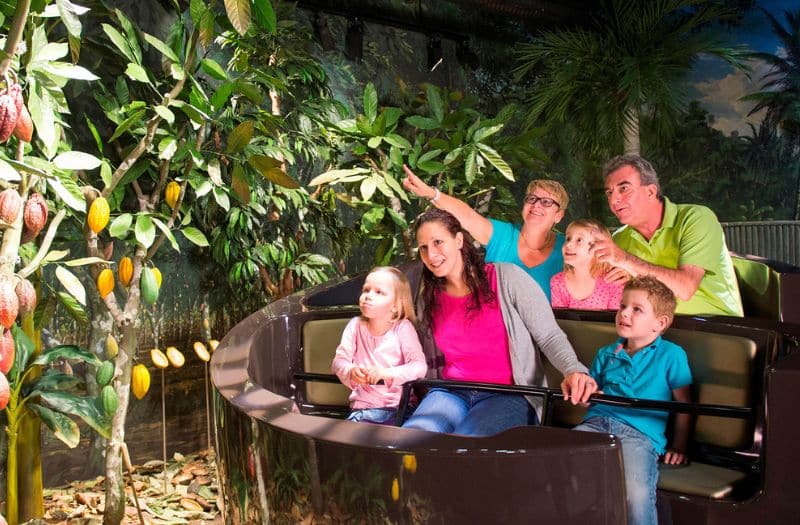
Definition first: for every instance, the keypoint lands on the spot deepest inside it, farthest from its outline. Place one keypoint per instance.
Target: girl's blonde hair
(597, 267)
(402, 290)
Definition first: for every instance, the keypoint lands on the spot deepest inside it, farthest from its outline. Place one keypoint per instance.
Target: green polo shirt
(690, 234)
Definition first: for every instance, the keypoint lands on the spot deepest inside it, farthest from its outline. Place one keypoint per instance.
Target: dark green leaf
(422, 122)
(435, 102)
(62, 427)
(135, 118)
(370, 102)
(84, 408)
(213, 69)
(194, 236)
(264, 15)
(55, 380)
(66, 352)
(163, 48)
(144, 230)
(120, 226)
(496, 160)
(23, 349)
(196, 10)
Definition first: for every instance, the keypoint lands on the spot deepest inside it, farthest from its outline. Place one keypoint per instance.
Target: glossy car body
(283, 458)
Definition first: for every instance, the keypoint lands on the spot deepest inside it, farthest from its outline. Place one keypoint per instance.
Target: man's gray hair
(647, 174)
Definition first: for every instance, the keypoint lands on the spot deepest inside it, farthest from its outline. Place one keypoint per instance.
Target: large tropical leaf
(239, 14)
(59, 424)
(83, 407)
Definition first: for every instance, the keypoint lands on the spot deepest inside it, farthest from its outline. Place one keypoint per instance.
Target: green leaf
(8, 173)
(95, 134)
(372, 218)
(191, 111)
(134, 118)
(470, 169)
(52, 379)
(83, 261)
(435, 102)
(420, 122)
(368, 187)
(131, 35)
(194, 236)
(167, 147)
(428, 155)
(221, 95)
(72, 284)
(334, 176)
(374, 142)
(76, 160)
(397, 140)
(120, 42)
(221, 196)
(196, 10)
(165, 113)
(72, 352)
(453, 155)
(370, 103)
(398, 189)
(396, 156)
(206, 28)
(398, 219)
(483, 133)
(23, 347)
(144, 230)
(64, 70)
(121, 225)
(167, 233)
(239, 14)
(69, 193)
(137, 73)
(55, 255)
(213, 69)
(497, 161)
(161, 46)
(265, 15)
(84, 408)
(240, 136)
(59, 424)
(69, 17)
(73, 307)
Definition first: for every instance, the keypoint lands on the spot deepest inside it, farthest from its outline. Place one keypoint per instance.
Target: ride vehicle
(285, 455)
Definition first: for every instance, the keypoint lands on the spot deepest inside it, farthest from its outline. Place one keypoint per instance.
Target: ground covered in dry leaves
(189, 496)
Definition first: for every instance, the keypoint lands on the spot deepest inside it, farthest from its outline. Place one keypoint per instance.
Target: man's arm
(683, 281)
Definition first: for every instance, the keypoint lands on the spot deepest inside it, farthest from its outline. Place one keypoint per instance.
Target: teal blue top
(651, 373)
(503, 247)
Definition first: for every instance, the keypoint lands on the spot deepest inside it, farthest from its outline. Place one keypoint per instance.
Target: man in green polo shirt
(682, 245)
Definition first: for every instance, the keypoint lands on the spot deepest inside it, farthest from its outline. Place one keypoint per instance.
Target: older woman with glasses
(533, 245)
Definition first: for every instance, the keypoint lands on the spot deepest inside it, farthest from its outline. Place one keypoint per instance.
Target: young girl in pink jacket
(380, 349)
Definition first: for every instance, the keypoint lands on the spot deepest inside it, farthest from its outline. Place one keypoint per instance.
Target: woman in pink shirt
(380, 349)
(484, 323)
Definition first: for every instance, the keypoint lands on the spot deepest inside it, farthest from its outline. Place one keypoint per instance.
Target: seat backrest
(723, 372)
(320, 339)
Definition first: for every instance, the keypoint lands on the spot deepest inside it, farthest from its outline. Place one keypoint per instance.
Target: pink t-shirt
(605, 296)
(399, 350)
(474, 343)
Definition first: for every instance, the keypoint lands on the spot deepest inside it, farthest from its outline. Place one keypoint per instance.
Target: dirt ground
(189, 496)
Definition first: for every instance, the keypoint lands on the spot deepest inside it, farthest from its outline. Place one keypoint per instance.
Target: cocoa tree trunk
(114, 510)
(102, 325)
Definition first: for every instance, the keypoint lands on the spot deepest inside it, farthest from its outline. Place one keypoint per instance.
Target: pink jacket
(399, 350)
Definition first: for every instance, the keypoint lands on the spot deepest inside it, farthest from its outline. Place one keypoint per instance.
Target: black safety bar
(549, 395)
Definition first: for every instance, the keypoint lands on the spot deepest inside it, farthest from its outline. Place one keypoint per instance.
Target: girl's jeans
(640, 461)
(471, 412)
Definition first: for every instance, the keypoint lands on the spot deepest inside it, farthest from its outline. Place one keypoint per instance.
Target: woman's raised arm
(476, 224)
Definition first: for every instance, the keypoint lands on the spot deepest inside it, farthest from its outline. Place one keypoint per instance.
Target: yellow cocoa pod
(140, 381)
(125, 271)
(171, 194)
(201, 351)
(175, 357)
(395, 490)
(410, 462)
(158, 358)
(99, 212)
(157, 275)
(105, 282)
(112, 348)
(213, 344)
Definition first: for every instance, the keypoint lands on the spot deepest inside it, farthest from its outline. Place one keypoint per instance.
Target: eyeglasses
(546, 202)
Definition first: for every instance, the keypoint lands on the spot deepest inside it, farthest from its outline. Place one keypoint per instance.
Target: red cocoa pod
(15, 92)
(5, 394)
(6, 351)
(10, 204)
(24, 128)
(8, 116)
(26, 295)
(35, 213)
(9, 304)
(27, 236)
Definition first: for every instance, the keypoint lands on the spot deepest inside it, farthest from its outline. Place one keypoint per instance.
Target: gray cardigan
(531, 327)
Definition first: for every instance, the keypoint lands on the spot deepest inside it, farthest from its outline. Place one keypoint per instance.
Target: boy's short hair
(660, 296)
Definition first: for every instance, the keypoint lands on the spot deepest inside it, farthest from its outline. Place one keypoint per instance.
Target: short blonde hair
(660, 296)
(597, 267)
(404, 303)
(552, 187)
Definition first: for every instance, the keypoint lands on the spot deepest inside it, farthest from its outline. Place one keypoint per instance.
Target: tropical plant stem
(15, 34)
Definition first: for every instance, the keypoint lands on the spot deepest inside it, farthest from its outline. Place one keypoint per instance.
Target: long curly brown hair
(474, 274)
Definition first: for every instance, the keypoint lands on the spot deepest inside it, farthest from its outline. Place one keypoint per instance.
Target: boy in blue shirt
(642, 365)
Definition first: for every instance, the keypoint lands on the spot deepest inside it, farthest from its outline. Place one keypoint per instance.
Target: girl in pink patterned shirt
(380, 349)
(581, 285)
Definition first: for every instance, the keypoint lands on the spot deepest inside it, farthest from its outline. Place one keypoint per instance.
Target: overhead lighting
(323, 33)
(354, 40)
(435, 56)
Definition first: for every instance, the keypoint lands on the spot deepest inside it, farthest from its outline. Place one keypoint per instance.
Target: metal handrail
(551, 394)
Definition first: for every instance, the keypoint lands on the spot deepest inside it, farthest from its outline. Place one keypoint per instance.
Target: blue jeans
(471, 412)
(640, 461)
(373, 415)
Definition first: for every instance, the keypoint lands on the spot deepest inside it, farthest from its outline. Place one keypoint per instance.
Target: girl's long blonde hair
(404, 303)
(597, 267)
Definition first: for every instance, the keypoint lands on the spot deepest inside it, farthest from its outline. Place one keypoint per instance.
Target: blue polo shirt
(503, 247)
(651, 373)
